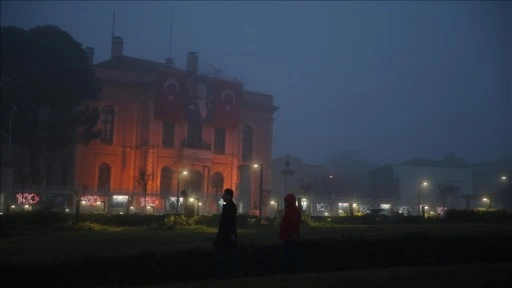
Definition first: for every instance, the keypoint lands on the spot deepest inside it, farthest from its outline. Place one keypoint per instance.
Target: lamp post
(260, 166)
(286, 172)
(199, 204)
(103, 206)
(277, 205)
(488, 199)
(508, 197)
(419, 197)
(178, 192)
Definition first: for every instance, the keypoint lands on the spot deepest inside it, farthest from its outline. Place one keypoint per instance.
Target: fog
(391, 80)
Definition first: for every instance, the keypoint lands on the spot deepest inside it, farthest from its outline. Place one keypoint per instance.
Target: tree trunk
(34, 147)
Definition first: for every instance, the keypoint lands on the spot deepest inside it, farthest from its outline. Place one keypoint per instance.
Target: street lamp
(488, 199)
(178, 192)
(286, 172)
(260, 166)
(509, 194)
(420, 212)
(196, 205)
(277, 206)
(103, 205)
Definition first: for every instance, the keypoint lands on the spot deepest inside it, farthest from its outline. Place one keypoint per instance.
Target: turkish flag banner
(228, 97)
(170, 95)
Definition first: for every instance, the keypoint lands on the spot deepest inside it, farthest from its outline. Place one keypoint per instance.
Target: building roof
(444, 163)
(132, 64)
(137, 70)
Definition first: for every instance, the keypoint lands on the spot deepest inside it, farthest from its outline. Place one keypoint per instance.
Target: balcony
(196, 152)
(193, 144)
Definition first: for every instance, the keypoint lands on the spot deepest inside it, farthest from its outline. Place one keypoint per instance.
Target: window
(107, 124)
(247, 145)
(104, 178)
(168, 135)
(219, 141)
(194, 135)
(165, 181)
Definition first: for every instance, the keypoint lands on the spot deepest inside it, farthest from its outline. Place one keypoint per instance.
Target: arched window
(247, 144)
(165, 181)
(104, 178)
(107, 124)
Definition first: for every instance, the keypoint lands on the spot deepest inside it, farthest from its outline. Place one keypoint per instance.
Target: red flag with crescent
(228, 98)
(169, 101)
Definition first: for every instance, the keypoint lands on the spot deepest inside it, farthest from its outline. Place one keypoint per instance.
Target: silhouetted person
(226, 240)
(289, 234)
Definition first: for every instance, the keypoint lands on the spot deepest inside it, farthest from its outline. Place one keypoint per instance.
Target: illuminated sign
(151, 201)
(90, 200)
(27, 198)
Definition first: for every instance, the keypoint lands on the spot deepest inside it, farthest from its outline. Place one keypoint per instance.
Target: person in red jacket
(289, 234)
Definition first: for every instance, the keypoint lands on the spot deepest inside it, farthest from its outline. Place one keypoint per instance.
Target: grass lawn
(54, 246)
(479, 275)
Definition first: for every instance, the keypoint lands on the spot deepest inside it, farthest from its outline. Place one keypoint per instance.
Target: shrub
(485, 216)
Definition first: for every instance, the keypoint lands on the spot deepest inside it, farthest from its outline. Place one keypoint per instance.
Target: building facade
(171, 141)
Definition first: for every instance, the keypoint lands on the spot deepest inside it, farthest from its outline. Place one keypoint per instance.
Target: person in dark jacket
(289, 234)
(226, 240)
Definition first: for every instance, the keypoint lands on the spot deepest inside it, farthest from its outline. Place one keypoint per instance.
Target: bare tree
(79, 192)
(143, 179)
(445, 190)
(220, 73)
(306, 186)
(217, 184)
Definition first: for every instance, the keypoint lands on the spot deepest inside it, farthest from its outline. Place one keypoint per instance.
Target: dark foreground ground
(347, 254)
(477, 275)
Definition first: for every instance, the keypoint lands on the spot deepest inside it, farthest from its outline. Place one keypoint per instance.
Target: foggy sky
(393, 80)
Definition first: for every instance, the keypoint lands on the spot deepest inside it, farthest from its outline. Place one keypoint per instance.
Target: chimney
(90, 55)
(169, 62)
(117, 47)
(192, 62)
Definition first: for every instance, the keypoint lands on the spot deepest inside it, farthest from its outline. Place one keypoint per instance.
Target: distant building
(488, 183)
(402, 185)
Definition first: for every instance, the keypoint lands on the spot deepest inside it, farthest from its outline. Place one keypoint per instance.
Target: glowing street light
(420, 211)
(277, 206)
(509, 192)
(488, 199)
(260, 166)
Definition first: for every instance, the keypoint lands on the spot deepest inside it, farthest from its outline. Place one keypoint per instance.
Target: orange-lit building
(158, 123)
